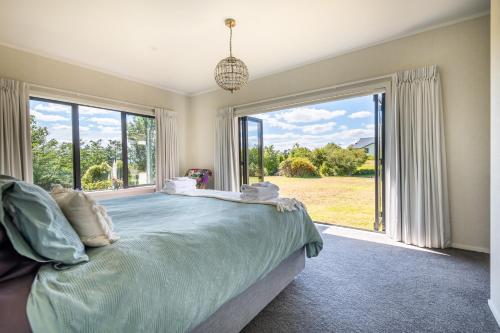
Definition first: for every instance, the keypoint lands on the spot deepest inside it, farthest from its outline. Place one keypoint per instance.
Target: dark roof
(363, 142)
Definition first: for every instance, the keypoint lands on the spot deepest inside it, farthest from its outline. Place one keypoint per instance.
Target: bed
(183, 264)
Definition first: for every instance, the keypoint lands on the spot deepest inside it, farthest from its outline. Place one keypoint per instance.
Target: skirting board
(470, 248)
(495, 311)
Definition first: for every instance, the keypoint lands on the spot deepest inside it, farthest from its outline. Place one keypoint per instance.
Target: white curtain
(15, 134)
(167, 146)
(226, 168)
(417, 209)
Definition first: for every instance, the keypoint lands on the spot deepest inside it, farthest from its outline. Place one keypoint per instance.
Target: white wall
(462, 53)
(495, 159)
(28, 67)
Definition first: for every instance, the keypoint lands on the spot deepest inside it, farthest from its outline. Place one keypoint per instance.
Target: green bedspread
(177, 261)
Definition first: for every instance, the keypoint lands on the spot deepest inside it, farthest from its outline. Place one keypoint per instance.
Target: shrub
(97, 177)
(326, 171)
(298, 167)
(319, 156)
(343, 162)
(98, 185)
(364, 172)
(298, 151)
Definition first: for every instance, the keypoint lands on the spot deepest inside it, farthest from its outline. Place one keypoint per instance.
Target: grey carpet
(360, 286)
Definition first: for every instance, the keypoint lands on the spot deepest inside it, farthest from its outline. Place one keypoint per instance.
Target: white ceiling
(176, 44)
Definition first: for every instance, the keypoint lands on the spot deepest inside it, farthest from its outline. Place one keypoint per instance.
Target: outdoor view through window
(323, 155)
(101, 151)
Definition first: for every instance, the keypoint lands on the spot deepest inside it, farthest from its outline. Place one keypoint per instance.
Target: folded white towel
(265, 196)
(180, 183)
(176, 186)
(259, 192)
(267, 185)
(282, 204)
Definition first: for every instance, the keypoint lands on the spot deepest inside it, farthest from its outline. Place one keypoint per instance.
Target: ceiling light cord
(230, 41)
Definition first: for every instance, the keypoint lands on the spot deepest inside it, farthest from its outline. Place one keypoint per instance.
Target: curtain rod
(314, 91)
(103, 99)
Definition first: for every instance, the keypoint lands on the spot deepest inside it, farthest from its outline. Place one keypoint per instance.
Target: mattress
(178, 260)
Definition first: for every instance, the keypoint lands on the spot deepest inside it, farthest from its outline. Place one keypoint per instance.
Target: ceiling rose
(231, 73)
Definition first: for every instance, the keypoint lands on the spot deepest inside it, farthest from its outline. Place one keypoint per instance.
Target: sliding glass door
(251, 150)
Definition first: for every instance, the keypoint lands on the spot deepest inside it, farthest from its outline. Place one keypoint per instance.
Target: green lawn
(347, 201)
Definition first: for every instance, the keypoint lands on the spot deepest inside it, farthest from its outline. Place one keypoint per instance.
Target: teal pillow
(35, 224)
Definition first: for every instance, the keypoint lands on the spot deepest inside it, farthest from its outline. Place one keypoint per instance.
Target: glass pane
(254, 173)
(101, 164)
(141, 138)
(52, 144)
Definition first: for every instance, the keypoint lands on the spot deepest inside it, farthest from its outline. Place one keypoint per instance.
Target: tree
(272, 160)
(52, 161)
(298, 151)
(253, 162)
(141, 133)
(342, 162)
(319, 156)
(92, 153)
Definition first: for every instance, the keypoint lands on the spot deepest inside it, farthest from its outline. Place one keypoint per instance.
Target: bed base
(236, 313)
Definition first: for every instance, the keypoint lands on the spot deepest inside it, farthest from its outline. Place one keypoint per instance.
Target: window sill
(109, 194)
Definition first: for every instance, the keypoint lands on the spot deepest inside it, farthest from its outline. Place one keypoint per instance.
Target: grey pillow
(35, 224)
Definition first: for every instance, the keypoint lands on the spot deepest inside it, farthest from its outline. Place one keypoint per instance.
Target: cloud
(273, 122)
(47, 117)
(52, 107)
(370, 126)
(360, 114)
(319, 128)
(343, 127)
(100, 132)
(61, 133)
(342, 138)
(60, 127)
(308, 115)
(90, 111)
(105, 121)
(262, 116)
(109, 129)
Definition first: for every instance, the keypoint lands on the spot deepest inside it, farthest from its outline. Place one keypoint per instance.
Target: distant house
(368, 144)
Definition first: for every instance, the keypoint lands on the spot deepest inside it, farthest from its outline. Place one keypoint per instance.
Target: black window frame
(75, 130)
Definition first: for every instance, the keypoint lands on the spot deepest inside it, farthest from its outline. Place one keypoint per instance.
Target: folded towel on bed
(282, 204)
(173, 186)
(259, 197)
(259, 191)
(267, 185)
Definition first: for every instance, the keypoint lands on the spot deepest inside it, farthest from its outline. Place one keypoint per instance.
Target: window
(51, 143)
(101, 164)
(141, 137)
(90, 148)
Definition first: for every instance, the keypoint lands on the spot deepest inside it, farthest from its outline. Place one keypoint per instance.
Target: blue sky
(342, 122)
(95, 123)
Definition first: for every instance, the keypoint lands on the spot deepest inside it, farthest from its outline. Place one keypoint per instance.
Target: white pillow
(89, 219)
